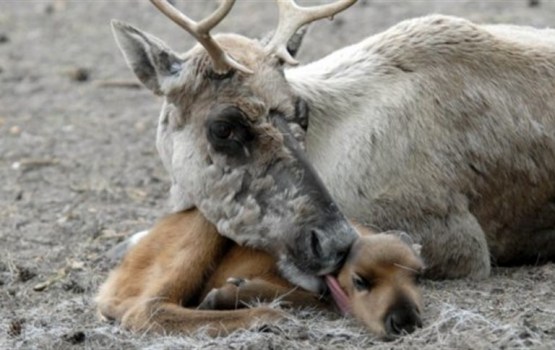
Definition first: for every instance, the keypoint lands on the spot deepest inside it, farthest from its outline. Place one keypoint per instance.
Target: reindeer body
(437, 126)
(445, 129)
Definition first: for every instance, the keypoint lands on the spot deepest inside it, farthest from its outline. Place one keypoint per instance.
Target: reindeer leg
(453, 247)
(541, 246)
(238, 292)
(527, 247)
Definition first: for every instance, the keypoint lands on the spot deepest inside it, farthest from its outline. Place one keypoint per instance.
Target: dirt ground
(79, 172)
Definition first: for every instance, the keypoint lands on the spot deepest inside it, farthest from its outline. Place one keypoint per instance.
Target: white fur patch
(137, 237)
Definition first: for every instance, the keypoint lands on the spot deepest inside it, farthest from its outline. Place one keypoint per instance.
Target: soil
(79, 173)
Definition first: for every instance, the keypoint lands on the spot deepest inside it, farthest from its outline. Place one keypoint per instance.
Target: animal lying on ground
(166, 273)
(438, 126)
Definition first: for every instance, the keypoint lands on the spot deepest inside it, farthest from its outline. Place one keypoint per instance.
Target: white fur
(137, 237)
(439, 127)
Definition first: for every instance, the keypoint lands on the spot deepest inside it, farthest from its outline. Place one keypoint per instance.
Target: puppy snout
(402, 320)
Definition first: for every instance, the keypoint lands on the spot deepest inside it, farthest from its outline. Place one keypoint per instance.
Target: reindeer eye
(361, 284)
(221, 130)
(229, 132)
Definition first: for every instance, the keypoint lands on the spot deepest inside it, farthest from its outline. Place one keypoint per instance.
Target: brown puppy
(380, 278)
(170, 269)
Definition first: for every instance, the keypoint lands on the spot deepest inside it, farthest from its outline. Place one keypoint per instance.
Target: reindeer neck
(336, 88)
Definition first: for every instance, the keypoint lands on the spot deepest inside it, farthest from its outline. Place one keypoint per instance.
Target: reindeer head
(231, 136)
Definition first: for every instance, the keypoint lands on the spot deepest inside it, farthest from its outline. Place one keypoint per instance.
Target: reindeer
(438, 126)
(157, 278)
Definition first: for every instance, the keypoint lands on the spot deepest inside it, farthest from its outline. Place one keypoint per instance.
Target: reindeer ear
(156, 66)
(293, 45)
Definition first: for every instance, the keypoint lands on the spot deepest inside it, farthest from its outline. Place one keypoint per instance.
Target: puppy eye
(361, 284)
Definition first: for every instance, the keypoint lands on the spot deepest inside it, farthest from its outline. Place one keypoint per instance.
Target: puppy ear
(403, 236)
(417, 248)
(407, 239)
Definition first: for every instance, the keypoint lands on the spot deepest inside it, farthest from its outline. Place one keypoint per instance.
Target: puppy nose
(401, 321)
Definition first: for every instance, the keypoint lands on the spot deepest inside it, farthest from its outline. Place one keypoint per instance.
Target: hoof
(209, 301)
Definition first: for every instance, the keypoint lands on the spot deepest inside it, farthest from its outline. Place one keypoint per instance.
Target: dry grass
(89, 175)
(514, 309)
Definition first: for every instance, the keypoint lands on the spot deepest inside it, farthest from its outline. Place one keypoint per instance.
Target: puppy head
(380, 279)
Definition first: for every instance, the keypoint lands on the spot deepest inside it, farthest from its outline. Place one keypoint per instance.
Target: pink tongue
(338, 295)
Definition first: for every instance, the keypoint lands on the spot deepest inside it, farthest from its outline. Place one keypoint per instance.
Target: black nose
(402, 320)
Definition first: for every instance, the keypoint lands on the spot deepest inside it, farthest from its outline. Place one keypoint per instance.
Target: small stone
(74, 338)
(24, 274)
(140, 126)
(4, 38)
(55, 6)
(41, 286)
(533, 3)
(338, 22)
(15, 130)
(79, 74)
(15, 328)
(73, 287)
(49, 9)
(524, 335)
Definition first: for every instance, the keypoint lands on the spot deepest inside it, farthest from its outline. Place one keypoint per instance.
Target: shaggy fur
(451, 137)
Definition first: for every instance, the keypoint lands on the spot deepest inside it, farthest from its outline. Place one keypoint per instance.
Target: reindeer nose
(330, 251)
(402, 320)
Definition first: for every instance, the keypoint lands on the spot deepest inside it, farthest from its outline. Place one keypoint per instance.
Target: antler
(221, 61)
(292, 17)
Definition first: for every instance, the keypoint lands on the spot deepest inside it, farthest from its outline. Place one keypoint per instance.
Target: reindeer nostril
(342, 255)
(315, 244)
